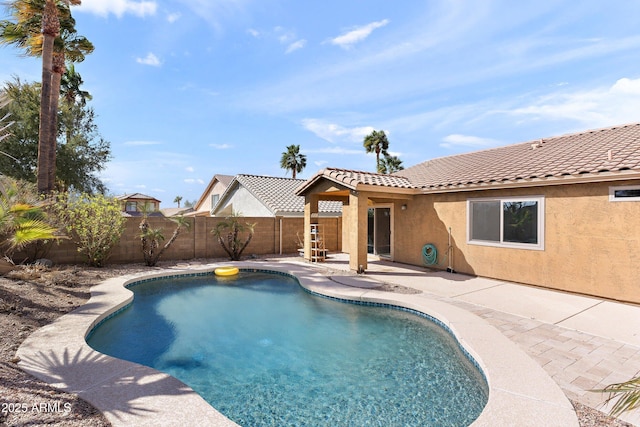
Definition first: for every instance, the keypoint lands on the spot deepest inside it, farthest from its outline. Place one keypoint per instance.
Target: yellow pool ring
(226, 271)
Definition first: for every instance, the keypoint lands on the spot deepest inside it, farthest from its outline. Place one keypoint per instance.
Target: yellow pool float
(226, 271)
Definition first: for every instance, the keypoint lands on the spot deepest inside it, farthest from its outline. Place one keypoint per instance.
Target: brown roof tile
(351, 179)
(592, 152)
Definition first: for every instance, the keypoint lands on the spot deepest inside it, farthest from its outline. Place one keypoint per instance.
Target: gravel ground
(33, 297)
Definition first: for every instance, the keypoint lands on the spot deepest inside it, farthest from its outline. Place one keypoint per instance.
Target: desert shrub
(94, 223)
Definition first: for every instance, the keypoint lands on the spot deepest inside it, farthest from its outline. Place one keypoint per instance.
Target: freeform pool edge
(131, 394)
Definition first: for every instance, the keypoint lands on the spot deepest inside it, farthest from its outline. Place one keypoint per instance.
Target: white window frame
(502, 244)
(612, 193)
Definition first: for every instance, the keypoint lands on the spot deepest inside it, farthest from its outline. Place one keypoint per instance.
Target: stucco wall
(218, 188)
(592, 245)
(242, 201)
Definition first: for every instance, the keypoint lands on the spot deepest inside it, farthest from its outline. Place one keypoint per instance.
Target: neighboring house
(268, 196)
(211, 195)
(168, 212)
(561, 212)
(135, 204)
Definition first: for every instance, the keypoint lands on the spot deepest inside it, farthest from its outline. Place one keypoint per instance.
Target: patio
(578, 340)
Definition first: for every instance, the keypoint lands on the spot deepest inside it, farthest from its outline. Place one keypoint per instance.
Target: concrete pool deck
(521, 384)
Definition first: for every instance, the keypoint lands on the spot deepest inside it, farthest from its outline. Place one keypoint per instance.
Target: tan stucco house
(211, 195)
(560, 212)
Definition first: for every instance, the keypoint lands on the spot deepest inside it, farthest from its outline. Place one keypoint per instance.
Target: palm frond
(626, 396)
(29, 231)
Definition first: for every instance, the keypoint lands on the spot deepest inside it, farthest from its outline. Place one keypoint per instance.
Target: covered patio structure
(359, 193)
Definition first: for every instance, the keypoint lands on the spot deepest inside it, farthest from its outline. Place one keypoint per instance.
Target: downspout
(280, 235)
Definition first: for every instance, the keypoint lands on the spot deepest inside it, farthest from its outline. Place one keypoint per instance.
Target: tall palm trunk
(50, 30)
(56, 78)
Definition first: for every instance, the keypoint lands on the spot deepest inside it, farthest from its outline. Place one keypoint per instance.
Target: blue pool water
(264, 352)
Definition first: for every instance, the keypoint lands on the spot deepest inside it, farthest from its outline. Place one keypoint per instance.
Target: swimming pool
(265, 352)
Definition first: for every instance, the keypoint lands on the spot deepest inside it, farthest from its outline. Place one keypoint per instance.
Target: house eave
(587, 178)
(387, 190)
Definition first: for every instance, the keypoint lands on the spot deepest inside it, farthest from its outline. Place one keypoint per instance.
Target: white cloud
(332, 132)
(193, 181)
(173, 17)
(289, 38)
(458, 140)
(626, 86)
(599, 107)
(118, 7)
(254, 33)
(150, 59)
(138, 143)
(221, 146)
(296, 45)
(284, 36)
(189, 169)
(358, 34)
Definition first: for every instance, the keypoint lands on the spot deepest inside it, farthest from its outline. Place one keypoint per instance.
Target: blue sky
(185, 89)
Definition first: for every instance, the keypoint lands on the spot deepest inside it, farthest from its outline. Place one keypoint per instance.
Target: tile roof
(352, 178)
(137, 196)
(225, 180)
(596, 155)
(278, 194)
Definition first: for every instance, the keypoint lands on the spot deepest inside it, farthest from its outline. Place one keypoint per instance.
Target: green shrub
(94, 222)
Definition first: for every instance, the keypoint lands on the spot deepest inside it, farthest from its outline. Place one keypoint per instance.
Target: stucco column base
(358, 232)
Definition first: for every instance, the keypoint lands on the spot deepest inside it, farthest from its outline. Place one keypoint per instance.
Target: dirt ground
(32, 297)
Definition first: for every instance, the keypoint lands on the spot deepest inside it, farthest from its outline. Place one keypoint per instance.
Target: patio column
(357, 234)
(310, 217)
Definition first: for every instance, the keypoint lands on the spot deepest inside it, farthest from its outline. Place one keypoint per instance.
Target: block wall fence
(271, 236)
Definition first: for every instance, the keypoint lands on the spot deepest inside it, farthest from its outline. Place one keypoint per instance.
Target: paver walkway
(583, 343)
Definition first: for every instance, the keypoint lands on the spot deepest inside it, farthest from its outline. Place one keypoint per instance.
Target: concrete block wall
(271, 236)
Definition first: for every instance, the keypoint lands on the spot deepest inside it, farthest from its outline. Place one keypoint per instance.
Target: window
(508, 222)
(627, 193)
(214, 200)
(131, 207)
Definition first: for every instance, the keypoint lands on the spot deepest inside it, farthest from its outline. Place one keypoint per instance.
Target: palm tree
(177, 200)
(152, 237)
(390, 164)
(21, 221)
(4, 120)
(70, 45)
(292, 160)
(376, 142)
(70, 87)
(37, 29)
(72, 96)
(228, 234)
